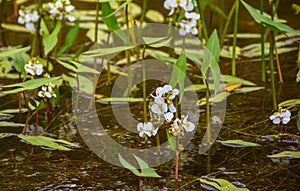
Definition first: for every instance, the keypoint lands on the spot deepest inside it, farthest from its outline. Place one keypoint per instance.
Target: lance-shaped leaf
(276, 26)
(29, 85)
(219, 184)
(171, 140)
(238, 143)
(286, 154)
(70, 38)
(50, 40)
(12, 51)
(178, 74)
(298, 121)
(146, 171)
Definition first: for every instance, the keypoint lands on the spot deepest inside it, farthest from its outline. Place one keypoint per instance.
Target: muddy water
(23, 167)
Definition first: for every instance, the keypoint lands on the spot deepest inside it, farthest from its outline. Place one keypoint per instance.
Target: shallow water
(24, 167)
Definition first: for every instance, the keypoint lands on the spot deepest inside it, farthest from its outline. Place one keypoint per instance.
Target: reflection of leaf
(146, 171)
(10, 124)
(120, 99)
(219, 184)
(248, 89)
(239, 143)
(289, 102)
(286, 154)
(47, 142)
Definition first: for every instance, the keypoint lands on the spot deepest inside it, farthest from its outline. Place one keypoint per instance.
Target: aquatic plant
(282, 116)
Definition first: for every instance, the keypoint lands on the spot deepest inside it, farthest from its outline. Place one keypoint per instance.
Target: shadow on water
(24, 167)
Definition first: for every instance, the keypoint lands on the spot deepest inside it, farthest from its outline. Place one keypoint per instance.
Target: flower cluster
(28, 17)
(189, 23)
(60, 9)
(181, 124)
(163, 102)
(47, 89)
(164, 108)
(282, 116)
(33, 67)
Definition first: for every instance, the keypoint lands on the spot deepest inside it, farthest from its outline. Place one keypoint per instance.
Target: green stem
(96, 22)
(298, 57)
(262, 42)
(177, 162)
(235, 29)
(207, 112)
(144, 87)
(204, 28)
(227, 24)
(221, 25)
(128, 53)
(272, 41)
(143, 12)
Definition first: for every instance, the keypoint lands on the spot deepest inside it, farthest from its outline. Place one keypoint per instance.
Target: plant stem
(128, 53)
(271, 54)
(278, 63)
(96, 22)
(224, 32)
(177, 163)
(262, 43)
(207, 112)
(204, 28)
(20, 100)
(235, 29)
(143, 13)
(48, 111)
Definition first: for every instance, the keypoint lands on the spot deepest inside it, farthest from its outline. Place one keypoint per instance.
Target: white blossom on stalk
(171, 5)
(159, 106)
(33, 67)
(28, 17)
(188, 126)
(168, 116)
(146, 129)
(187, 5)
(60, 9)
(283, 115)
(188, 26)
(47, 91)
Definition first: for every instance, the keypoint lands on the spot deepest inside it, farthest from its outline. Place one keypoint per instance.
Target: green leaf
(84, 69)
(70, 38)
(219, 184)
(10, 124)
(298, 76)
(178, 74)
(50, 40)
(211, 57)
(195, 87)
(29, 85)
(9, 111)
(286, 154)
(248, 89)
(12, 51)
(273, 25)
(109, 18)
(119, 8)
(146, 171)
(106, 51)
(19, 62)
(46, 141)
(239, 143)
(171, 140)
(120, 99)
(289, 102)
(235, 80)
(14, 27)
(215, 99)
(68, 66)
(296, 8)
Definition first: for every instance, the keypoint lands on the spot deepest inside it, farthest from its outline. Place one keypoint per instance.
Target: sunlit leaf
(298, 76)
(268, 21)
(70, 38)
(239, 143)
(50, 39)
(108, 18)
(115, 70)
(10, 52)
(235, 80)
(171, 140)
(160, 55)
(219, 184)
(14, 27)
(146, 171)
(157, 42)
(120, 99)
(289, 102)
(215, 99)
(29, 85)
(298, 121)
(106, 51)
(11, 111)
(286, 154)
(47, 142)
(119, 8)
(155, 16)
(232, 87)
(178, 74)
(248, 89)
(10, 124)
(296, 8)
(245, 35)
(195, 87)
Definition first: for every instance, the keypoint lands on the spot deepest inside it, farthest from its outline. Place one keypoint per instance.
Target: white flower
(283, 115)
(187, 5)
(61, 9)
(192, 15)
(171, 5)
(172, 108)
(168, 116)
(146, 129)
(187, 27)
(47, 91)
(188, 126)
(33, 67)
(159, 105)
(29, 18)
